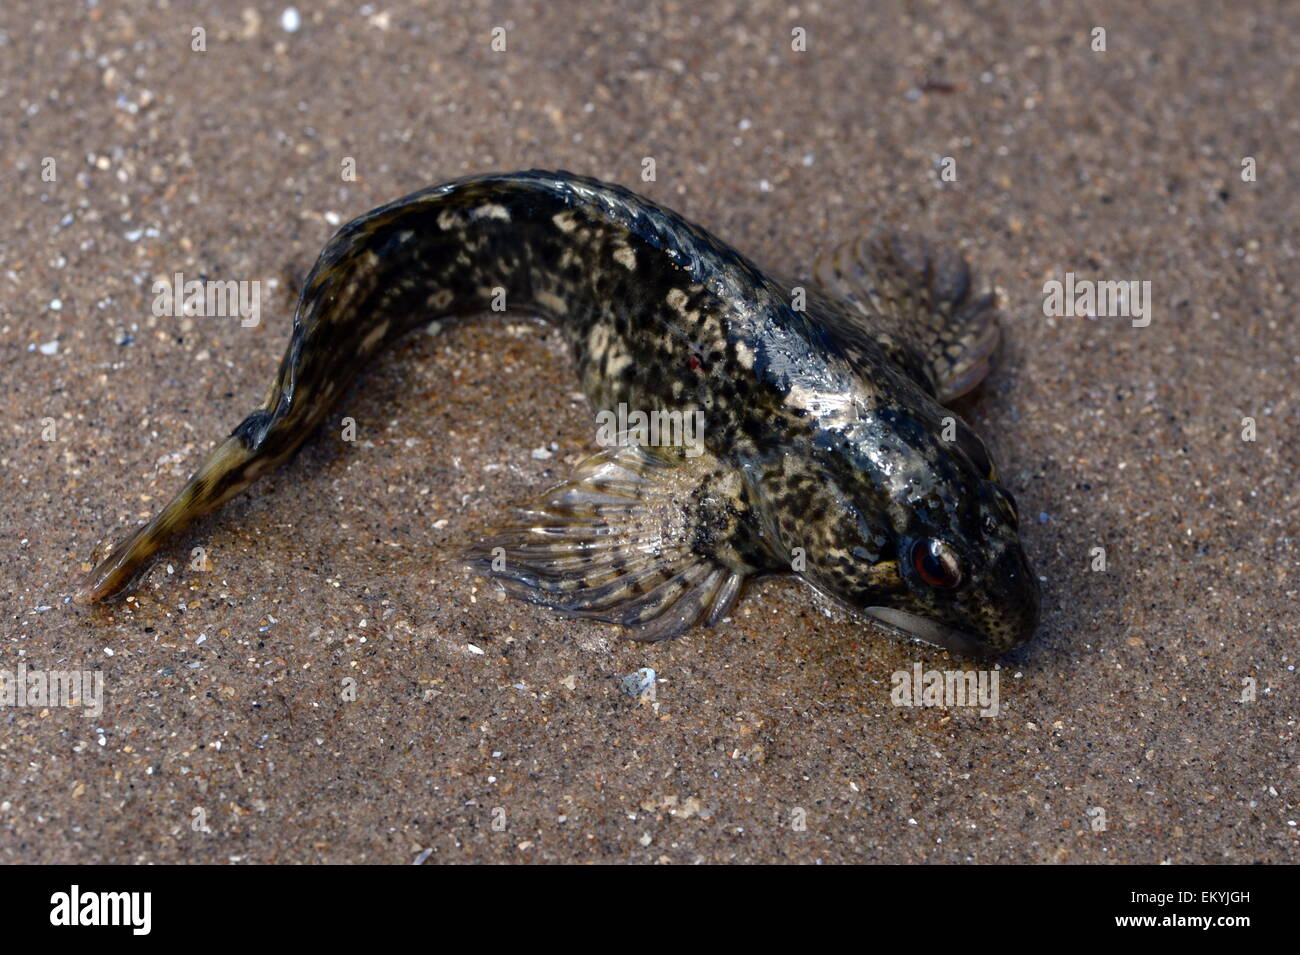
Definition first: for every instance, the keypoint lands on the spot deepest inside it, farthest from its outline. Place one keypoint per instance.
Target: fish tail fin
(227, 471)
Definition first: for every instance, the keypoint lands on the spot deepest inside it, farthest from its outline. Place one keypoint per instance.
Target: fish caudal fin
(621, 542)
(922, 293)
(226, 472)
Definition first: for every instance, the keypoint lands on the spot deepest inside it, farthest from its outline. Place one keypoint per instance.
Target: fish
(827, 449)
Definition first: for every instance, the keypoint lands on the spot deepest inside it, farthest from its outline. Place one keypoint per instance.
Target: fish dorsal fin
(635, 537)
(912, 295)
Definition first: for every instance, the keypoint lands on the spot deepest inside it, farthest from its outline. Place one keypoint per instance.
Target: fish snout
(1019, 601)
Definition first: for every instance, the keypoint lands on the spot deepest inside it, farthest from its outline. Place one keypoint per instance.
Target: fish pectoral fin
(633, 538)
(901, 285)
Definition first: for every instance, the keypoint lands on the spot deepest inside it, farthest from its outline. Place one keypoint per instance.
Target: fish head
(907, 522)
(966, 586)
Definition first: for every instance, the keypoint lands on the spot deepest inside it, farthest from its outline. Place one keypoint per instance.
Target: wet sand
(483, 729)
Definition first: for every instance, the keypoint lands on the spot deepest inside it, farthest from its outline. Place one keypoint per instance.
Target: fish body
(824, 451)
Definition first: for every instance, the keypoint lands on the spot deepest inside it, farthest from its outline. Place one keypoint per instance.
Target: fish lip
(929, 631)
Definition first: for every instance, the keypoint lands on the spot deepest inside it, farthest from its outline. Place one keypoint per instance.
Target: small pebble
(638, 682)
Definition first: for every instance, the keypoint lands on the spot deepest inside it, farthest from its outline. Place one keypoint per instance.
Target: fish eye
(936, 563)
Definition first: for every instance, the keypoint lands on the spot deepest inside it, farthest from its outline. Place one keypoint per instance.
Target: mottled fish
(827, 449)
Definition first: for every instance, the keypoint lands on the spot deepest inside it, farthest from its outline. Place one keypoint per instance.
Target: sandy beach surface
(332, 689)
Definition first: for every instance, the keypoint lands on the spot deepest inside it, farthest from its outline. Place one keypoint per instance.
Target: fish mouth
(931, 631)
